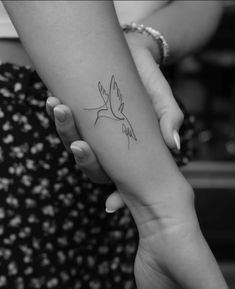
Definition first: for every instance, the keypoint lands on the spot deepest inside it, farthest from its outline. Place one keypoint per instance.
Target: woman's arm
(79, 51)
(161, 13)
(78, 48)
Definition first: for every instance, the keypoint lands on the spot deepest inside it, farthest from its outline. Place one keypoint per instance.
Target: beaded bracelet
(156, 35)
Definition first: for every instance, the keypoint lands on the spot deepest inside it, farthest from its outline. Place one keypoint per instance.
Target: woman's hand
(145, 53)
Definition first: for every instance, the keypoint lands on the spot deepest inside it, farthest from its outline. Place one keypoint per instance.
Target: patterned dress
(54, 232)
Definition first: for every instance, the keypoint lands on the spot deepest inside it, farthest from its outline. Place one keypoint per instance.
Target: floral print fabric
(54, 232)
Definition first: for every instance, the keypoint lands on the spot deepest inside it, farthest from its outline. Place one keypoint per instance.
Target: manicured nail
(59, 114)
(176, 139)
(78, 153)
(109, 211)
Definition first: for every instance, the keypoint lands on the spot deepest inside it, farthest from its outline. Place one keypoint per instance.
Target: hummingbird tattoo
(113, 107)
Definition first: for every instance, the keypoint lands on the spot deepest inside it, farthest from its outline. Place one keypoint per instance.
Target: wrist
(142, 41)
(158, 207)
(157, 39)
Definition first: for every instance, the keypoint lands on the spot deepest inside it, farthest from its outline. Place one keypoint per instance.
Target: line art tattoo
(113, 108)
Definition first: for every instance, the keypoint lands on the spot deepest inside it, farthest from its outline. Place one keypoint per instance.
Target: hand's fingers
(50, 105)
(170, 130)
(169, 114)
(84, 156)
(114, 202)
(87, 162)
(65, 125)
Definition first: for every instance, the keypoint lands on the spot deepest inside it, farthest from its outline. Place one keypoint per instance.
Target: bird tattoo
(113, 108)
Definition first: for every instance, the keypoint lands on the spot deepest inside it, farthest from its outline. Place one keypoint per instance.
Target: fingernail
(59, 114)
(78, 153)
(109, 211)
(176, 139)
(48, 102)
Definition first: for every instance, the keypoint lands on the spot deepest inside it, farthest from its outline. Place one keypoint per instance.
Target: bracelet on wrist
(155, 34)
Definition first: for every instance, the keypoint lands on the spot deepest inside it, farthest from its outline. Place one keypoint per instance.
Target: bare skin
(145, 53)
(172, 251)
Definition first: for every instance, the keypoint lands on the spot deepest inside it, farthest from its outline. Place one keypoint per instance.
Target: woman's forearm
(79, 51)
(186, 25)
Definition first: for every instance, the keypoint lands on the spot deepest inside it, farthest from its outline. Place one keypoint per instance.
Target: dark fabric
(54, 232)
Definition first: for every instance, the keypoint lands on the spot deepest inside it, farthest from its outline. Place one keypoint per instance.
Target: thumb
(168, 112)
(170, 123)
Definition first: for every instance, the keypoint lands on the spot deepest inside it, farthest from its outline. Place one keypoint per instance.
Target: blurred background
(205, 84)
